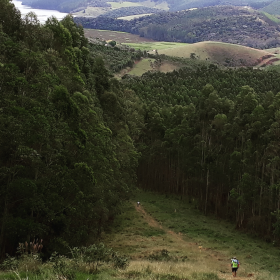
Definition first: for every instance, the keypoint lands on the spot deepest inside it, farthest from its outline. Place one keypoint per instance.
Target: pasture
(218, 52)
(134, 16)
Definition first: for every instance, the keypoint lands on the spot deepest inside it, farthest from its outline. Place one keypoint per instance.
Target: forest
(226, 24)
(67, 158)
(75, 142)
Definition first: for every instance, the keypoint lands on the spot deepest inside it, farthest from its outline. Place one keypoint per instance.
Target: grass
(118, 5)
(186, 230)
(149, 46)
(218, 52)
(167, 238)
(134, 16)
(141, 67)
(272, 17)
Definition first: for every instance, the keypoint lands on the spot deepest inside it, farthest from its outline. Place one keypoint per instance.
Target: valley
(140, 140)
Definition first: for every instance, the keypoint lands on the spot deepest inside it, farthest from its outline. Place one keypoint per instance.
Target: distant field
(134, 16)
(217, 52)
(118, 5)
(120, 37)
(156, 45)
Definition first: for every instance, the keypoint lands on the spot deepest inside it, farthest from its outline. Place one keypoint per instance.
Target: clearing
(120, 37)
(168, 238)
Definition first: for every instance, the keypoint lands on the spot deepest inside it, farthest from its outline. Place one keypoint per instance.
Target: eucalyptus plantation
(67, 160)
(213, 135)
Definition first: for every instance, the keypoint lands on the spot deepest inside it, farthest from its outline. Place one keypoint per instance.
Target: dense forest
(213, 135)
(67, 159)
(74, 141)
(226, 24)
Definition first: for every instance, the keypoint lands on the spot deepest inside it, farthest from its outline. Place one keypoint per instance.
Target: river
(42, 15)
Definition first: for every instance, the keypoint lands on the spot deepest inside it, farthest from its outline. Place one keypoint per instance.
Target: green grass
(155, 45)
(118, 5)
(130, 234)
(271, 17)
(134, 16)
(211, 232)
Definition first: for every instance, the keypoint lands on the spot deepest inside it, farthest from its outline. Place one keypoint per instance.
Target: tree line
(227, 24)
(74, 141)
(213, 135)
(67, 157)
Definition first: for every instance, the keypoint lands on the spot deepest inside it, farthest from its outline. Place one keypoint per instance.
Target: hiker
(234, 266)
(138, 203)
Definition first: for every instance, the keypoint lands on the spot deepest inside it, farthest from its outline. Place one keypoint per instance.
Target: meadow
(168, 238)
(218, 52)
(167, 235)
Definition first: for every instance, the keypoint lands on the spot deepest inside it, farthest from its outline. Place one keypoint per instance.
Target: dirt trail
(178, 238)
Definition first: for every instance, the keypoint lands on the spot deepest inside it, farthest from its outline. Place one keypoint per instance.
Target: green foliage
(67, 159)
(206, 136)
(62, 267)
(226, 24)
(115, 59)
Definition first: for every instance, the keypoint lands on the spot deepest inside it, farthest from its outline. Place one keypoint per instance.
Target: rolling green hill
(220, 53)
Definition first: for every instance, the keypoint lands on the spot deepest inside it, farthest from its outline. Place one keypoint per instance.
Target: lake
(42, 15)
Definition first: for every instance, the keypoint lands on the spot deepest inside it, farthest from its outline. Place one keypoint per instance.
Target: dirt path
(205, 253)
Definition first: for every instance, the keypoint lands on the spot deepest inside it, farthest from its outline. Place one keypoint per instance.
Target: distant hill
(273, 8)
(222, 53)
(236, 25)
(171, 5)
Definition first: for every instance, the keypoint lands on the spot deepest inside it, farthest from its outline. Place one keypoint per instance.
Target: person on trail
(234, 266)
(138, 203)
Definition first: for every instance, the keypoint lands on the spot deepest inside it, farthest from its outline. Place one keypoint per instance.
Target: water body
(42, 15)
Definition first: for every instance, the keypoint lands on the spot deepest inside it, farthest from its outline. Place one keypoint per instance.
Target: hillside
(273, 8)
(164, 5)
(76, 144)
(168, 236)
(226, 24)
(221, 53)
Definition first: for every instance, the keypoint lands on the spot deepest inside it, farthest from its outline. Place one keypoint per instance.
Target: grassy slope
(216, 52)
(134, 16)
(142, 233)
(155, 45)
(181, 233)
(273, 8)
